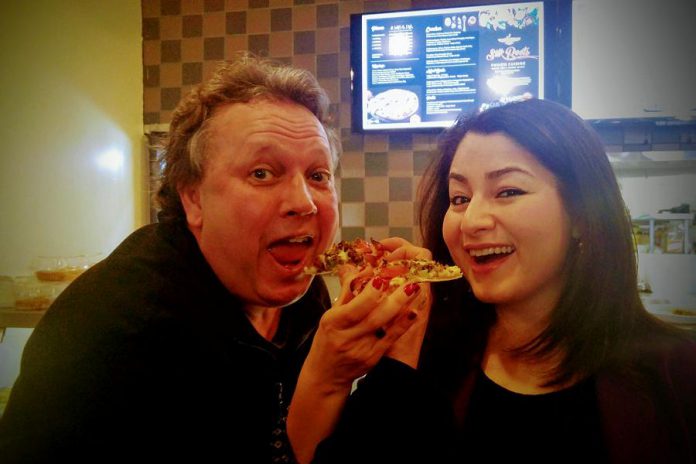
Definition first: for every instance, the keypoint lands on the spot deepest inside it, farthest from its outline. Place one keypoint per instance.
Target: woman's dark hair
(241, 80)
(599, 315)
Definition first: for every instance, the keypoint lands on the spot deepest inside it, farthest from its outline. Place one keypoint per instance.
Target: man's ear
(191, 201)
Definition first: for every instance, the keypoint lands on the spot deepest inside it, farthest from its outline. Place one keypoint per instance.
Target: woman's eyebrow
(498, 173)
(456, 177)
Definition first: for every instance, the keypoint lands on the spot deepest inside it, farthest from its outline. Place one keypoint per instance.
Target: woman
(545, 352)
(548, 349)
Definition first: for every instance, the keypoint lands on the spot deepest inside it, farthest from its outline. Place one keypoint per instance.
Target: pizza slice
(362, 253)
(393, 104)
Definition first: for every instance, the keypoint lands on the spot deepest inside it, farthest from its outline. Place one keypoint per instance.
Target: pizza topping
(422, 270)
(362, 253)
(357, 252)
(391, 270)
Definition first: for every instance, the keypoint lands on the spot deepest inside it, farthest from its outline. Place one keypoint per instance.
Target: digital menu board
(420, 69)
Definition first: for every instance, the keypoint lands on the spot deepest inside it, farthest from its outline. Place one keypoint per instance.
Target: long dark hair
(599, 317)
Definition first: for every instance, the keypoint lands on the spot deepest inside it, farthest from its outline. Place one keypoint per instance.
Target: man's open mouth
(291, 251)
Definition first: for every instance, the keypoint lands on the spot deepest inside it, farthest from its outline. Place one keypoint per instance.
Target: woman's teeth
(491, 251)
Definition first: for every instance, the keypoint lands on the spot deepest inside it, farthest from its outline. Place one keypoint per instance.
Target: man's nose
(298, 200)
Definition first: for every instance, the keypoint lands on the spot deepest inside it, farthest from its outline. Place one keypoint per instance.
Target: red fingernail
(378, 283)
(411, 288)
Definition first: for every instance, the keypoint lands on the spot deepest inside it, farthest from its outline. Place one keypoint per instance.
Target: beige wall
(71, 159)
(71, 131)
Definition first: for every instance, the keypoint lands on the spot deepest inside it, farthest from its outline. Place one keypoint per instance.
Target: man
(187, 341)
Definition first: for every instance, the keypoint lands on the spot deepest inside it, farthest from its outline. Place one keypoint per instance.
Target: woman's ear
(191, 201)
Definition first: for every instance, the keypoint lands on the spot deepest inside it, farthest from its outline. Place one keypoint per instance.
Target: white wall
(633, 58)
(647, 194)
(71, 141)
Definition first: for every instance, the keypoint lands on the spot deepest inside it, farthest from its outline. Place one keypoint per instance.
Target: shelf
(646, 122)
(654, 167)
(664, 217)
(18, 318)
(652, 219)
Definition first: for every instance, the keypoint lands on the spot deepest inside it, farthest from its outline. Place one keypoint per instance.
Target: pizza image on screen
(393, 104)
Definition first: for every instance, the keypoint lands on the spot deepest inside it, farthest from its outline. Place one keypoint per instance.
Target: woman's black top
(561, 426)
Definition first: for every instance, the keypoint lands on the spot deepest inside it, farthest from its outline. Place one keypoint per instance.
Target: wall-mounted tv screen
(416, 70)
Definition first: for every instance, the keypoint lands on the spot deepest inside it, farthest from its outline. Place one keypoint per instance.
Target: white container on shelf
(674, 232)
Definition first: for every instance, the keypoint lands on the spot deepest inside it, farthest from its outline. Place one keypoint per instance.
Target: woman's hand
(351, 338)
(407, 347)
(359, 330)
(356, 332)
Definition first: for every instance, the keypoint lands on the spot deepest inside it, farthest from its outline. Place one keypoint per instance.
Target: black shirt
(561, 426)
(148, 357)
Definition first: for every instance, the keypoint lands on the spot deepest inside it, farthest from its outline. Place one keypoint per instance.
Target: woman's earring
(577, 236)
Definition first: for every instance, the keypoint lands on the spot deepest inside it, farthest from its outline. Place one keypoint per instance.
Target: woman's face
(506, 225)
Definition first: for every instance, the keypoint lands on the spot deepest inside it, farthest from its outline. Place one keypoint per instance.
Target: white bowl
(671, 313)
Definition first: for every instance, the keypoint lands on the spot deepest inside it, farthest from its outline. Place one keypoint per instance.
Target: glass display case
(664, 233)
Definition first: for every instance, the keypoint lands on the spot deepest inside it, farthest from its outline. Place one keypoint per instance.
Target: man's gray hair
(242, 80)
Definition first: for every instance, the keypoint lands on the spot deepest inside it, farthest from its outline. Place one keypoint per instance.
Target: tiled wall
(183, 39)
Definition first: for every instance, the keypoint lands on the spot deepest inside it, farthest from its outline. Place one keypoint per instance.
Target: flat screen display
(418, 70)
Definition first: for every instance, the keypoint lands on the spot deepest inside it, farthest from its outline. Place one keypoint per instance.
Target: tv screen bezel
(557, 58)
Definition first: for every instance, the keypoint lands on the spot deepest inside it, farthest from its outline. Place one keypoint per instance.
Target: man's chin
(287, 293)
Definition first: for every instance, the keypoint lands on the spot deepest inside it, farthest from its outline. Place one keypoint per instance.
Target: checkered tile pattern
(183, 40)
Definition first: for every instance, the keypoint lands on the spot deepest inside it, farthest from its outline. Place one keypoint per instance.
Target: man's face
(266, 204)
